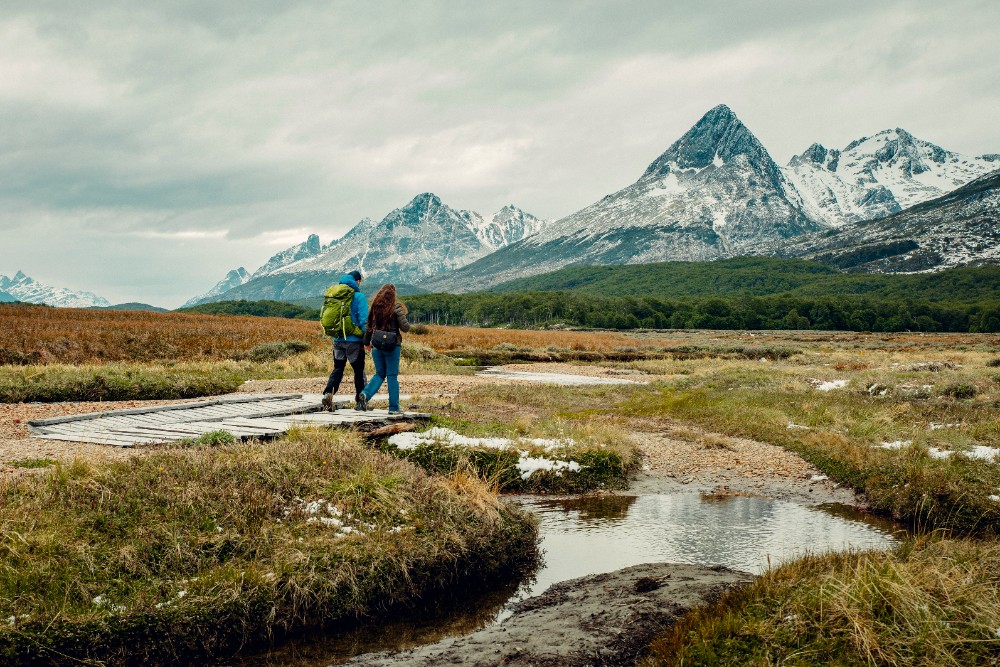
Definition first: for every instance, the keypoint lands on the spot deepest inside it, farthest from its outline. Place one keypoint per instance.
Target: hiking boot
(327, 403)
(397, 411)
(361, 402)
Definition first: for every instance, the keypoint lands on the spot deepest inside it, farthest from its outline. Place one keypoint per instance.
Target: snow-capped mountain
(877, 176)
(508, 225)
(6, 298)
(28, 290)
(425, 238)
(308, 248)
(234, 278)
(714, 193)
(960, 228)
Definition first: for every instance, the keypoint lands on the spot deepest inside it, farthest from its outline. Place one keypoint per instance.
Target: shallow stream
(591, 535)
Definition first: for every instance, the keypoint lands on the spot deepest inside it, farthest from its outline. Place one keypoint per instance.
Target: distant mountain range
(425, 238)
(716, 193)
(27, 290)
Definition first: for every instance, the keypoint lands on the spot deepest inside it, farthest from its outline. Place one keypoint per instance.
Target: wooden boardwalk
(243, 415)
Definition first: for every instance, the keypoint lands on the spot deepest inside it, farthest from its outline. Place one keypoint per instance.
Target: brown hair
(382, 308)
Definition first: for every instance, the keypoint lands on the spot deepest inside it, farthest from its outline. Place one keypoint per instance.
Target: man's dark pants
(345, 351)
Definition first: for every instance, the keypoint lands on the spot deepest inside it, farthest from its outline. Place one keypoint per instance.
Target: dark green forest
(763, 276)
(741, 293)
(838, 313)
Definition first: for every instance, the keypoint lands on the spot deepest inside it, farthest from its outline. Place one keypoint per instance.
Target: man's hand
(368, 348)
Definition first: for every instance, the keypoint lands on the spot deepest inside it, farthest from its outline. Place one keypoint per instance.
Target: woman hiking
(383, 338)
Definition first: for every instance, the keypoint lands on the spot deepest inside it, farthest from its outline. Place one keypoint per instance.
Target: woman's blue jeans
(386, 370)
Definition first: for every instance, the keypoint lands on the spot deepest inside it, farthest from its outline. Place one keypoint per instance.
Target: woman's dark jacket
(397, 322)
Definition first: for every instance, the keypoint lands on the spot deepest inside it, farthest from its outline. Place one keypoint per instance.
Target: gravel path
(677, 460)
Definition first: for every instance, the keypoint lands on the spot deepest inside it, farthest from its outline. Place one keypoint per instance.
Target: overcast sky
(147, 150)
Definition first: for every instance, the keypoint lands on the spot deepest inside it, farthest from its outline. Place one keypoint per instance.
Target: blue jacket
(359, 308)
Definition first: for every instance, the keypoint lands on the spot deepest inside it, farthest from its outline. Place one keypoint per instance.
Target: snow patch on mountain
(308, 248)
(233, 279)
(508, 225)
(961, 228)
(876, 176)
(28, 290)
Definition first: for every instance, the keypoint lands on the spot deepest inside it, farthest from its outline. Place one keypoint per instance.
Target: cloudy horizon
(148, 151)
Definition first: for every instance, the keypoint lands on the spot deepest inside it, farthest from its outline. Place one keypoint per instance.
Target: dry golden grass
(927, 604)
(36, 334)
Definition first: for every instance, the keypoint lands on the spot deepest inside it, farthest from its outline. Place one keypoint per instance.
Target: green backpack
(336, 314)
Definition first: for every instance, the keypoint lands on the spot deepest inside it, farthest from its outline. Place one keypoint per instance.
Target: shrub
(960, 391)
(419, 329)
(273, 351)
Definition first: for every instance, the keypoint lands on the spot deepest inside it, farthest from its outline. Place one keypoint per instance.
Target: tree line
(836, 313)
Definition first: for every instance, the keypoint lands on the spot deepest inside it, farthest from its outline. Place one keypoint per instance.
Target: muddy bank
(604, 619)
(686, 458)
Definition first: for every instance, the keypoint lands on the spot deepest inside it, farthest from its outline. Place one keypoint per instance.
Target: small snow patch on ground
(936, 453)
(935, 427)
(896, 444)
(983, 452)
(526, 464)
(829, 385)
(792, 426)
(818, 478)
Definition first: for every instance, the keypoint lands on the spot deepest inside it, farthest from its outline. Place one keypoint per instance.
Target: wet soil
(604, 619)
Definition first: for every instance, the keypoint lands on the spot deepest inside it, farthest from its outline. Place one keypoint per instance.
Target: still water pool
(591, 535)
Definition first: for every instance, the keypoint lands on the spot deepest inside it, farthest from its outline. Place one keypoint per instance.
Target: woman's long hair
(382, 307)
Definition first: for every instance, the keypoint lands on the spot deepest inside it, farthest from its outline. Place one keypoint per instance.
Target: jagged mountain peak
(308, 248)
(234, 278)
(718, 138)
(425, 201)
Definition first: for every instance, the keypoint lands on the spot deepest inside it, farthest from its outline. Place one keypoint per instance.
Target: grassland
(40, 335)
(837, 399)
(50, 354)
(190, 553)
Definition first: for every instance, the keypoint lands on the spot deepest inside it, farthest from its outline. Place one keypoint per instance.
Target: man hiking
(345, 317)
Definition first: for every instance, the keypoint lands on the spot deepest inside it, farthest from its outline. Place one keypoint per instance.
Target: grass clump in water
(929, 603)
(184, 554)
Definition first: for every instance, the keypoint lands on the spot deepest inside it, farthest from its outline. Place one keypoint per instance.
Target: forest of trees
(838, 313)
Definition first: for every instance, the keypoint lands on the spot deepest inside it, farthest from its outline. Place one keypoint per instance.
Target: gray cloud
(248, 122)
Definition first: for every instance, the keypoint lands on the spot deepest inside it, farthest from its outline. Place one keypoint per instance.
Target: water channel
(595, 534)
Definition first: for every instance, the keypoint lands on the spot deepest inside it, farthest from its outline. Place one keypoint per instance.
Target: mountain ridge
(28, 290)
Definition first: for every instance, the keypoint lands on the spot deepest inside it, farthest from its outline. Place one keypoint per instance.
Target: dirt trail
(603, 619)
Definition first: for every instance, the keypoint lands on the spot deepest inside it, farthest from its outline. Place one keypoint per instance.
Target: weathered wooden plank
(247, 398)
(103, 439)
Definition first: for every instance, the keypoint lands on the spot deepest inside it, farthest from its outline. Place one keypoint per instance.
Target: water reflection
(579, 537)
